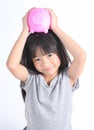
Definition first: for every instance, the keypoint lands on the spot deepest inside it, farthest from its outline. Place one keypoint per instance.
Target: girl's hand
(54, 21)
(25, 24)
(24, 19)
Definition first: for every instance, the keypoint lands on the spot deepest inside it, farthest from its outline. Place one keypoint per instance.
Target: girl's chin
(50, 74)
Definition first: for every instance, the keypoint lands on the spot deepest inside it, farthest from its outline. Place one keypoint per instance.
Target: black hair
(48, 43)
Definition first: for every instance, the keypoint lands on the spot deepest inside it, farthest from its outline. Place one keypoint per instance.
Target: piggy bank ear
(38, 20)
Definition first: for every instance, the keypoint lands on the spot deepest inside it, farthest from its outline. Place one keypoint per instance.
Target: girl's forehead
(39, 52)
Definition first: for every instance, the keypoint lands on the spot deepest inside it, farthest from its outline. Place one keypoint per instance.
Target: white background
(76, 17)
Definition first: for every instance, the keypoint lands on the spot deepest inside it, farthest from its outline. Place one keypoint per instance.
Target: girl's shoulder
(65, 77)
(30, 76)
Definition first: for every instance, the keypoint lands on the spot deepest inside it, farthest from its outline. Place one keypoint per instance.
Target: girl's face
(47, 64)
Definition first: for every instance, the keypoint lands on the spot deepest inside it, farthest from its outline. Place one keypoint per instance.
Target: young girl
(48, 78)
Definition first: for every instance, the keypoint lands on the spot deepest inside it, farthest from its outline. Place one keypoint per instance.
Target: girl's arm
(76, 51)
(13, 61)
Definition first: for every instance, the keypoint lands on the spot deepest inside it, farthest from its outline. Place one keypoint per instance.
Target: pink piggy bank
(38, 20)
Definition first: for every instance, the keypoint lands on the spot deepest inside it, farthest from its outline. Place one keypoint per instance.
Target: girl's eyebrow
(36, 57)
(42, 55)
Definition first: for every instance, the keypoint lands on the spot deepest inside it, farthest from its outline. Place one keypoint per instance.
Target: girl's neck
(48, 79)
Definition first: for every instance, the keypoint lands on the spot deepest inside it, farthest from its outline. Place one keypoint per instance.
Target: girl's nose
(45, 62)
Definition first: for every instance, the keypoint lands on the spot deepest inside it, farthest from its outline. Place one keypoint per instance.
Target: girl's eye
(49, 55)
(36, 59)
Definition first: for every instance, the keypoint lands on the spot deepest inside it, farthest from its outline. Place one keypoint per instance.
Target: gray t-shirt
(48, 107)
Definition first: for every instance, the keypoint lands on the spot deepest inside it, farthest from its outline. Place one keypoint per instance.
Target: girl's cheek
(37, 64)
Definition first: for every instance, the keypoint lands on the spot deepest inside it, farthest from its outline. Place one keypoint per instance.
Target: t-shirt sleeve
(23, 84)
(26, 84)
(76, 84)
